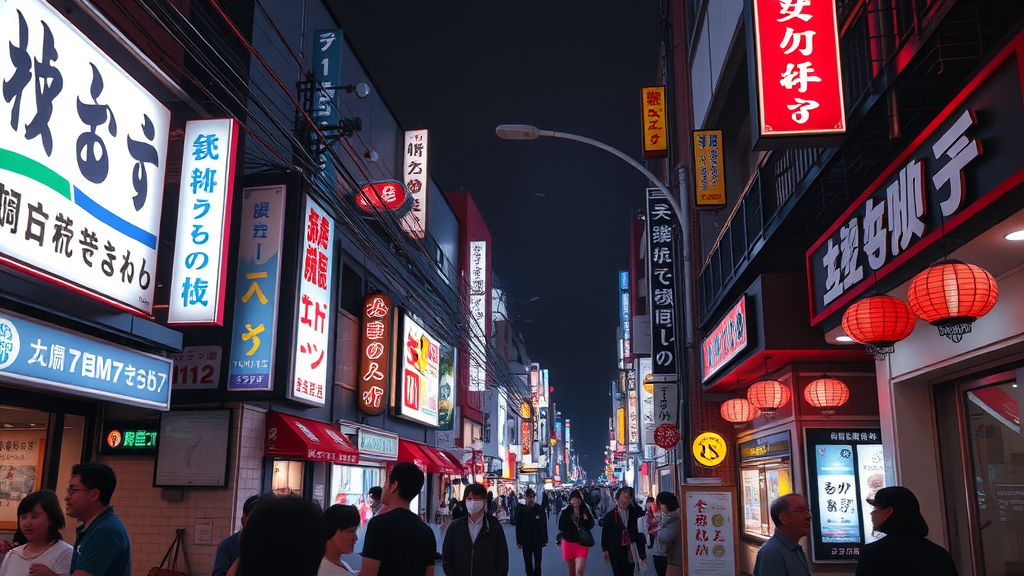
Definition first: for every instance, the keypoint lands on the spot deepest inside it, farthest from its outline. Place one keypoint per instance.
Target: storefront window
(288, 480)
(765, 474)
(22, 447)
(349, 485)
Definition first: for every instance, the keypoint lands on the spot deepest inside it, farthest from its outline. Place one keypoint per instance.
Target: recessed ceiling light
(1016, 235)
(844, 339)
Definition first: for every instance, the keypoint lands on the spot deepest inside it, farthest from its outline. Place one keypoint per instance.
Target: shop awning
(294, 438)
(455, 460)
(425, 457)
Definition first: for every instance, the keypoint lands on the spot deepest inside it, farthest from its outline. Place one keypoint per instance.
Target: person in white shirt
(342, 523)
(40, 520)
(475, 545)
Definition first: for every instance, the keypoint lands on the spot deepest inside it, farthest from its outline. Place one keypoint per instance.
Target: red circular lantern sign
(827, 394)
(666, 436)
(386, 195)
(739, 411)
(951, 295)
(878, 322)
(768, 396)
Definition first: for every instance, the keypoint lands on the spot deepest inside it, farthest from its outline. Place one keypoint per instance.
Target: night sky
(558, 211)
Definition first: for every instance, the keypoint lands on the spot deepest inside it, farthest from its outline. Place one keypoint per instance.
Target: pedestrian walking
(227, 550)
(101, 542)
(399, 543)
(513, 506)
(545, 503)
(342, 525)
(284, 536)
(40, 521)
(905, 550)
(532, 533)
(575, 524)
(377, 507)
(621, 541)
(782, 554)
(652, 514)
(475, 545)
(668, 549)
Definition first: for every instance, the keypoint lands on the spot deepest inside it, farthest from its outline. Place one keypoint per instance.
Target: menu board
(845, 466)
(710, 532)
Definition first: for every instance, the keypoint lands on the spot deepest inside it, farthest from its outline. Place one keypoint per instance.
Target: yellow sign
(709, 449)
(621, 428)
(524, 410)
(655, 122)
(708, 170)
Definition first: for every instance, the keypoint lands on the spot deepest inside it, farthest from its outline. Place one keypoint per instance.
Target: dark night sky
(558, 211)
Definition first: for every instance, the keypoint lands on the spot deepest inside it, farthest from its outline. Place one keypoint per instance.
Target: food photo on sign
(419, 374)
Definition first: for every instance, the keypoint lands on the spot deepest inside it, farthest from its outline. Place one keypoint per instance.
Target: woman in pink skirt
(576, 515)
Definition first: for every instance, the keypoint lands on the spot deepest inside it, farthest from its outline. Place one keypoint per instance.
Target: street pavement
(552, 563)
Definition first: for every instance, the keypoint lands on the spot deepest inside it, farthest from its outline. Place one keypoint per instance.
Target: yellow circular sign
(524, 410)
(709, 449)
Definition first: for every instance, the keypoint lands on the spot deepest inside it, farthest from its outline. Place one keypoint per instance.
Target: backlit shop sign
(83, 148)
(962, 162)
(375, 350)
(797, 68)
(416, 177)
(726, 340)
(661, 260)
(655, 122)
(415, 397)
(313, 329)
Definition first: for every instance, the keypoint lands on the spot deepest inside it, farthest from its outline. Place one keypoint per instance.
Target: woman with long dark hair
(905, 550)
(40, 521)
(576, 516)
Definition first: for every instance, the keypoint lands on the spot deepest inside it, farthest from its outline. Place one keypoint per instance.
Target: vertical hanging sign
(415, 175)
(709, 172)
(326, 64)
(797, 68)
(661, 263)
(478, 309)
(254, 328)
(204, 210)
(313, 329)
(655, 122)
(375, 364)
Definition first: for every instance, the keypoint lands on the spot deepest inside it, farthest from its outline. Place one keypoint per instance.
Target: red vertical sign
(799, 75)
(375, 364)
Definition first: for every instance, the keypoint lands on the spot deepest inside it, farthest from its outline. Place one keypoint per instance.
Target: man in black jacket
(475, 545)
(532, 532)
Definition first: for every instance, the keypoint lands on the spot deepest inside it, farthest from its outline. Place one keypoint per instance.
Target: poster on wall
(446, 390)
(21, 470)
(844, 467)
(416, 380)
(710, 532)
(192, 449)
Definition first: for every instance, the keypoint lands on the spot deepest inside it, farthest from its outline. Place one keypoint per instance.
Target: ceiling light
(1016, 235)
(844, 339)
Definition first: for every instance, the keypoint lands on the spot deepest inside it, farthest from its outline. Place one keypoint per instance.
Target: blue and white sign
(253, 331)
(204, 210)
(44, 357)
(83, 149)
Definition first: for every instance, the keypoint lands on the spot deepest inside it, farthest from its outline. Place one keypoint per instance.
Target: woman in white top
(40, 520)
(342, 523)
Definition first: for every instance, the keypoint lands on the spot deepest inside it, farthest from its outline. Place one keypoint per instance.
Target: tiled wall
(151, 521)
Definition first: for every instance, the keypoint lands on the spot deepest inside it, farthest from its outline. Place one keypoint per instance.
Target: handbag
(171, 561)
(586, 537)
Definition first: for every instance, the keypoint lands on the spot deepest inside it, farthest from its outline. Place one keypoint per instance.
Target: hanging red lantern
(951, 295)
(768, 396)
(878, 322)
(827, 394)
(739, 411)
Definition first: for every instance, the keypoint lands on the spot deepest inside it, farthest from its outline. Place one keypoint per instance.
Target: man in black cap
(905, 550)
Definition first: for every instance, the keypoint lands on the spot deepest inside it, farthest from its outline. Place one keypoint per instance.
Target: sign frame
(709, 191)
(685, 491)
(737, 321)
(652, 112)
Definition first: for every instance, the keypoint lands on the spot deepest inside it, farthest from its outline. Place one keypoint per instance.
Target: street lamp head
(517, 132)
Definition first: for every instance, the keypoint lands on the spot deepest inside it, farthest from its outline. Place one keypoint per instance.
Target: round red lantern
(827, 394)
(768, 396)
(951, 295)
(666, 436)
(878, 322)
(739, 411)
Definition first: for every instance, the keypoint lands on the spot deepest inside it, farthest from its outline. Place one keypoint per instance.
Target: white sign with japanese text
(647, 424)
(415, 176)
(204, 209)
(313, 328)
(710, 532)
(478, 309)
(419, 355)
(83, 148)
(197, 368)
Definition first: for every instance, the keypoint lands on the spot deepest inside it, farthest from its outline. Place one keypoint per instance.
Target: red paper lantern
(827, 394)
(878, 322)
(738, 411)
(951, 295)
(768, 396)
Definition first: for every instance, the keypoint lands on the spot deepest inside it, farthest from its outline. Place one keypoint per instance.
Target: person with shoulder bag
(576, 523)
(621, 541)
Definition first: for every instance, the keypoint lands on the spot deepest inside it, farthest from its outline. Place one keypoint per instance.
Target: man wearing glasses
(782, 555)
(101, 545)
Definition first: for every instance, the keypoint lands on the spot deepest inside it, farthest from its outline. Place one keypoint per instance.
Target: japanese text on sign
(708, 169)
(655, 122)
(797, 65)
(313, 329)
(415, 175)
(375, 363)
(419, 365)
(710, 541)
(197, 368)
(478, 283)
(661, 260)
(83, 148)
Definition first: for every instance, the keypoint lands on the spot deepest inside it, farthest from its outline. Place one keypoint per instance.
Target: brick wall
(151, 521)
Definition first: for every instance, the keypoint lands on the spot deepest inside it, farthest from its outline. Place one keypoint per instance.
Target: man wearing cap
(782, 554)
(227, 550)
(905, 550)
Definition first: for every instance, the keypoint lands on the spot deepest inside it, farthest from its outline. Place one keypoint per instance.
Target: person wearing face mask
(475, 545)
